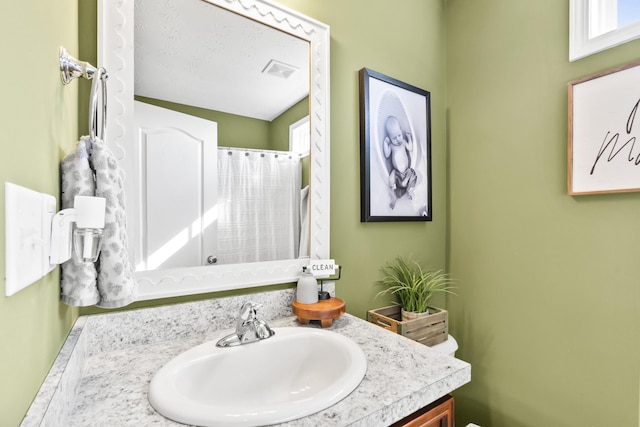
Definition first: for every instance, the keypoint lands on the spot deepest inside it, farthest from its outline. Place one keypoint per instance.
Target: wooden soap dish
(326, 311)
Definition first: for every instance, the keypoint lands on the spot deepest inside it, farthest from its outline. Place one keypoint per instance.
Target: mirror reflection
(222, 113)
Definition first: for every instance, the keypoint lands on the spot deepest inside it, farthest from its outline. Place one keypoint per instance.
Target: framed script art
(604, 155)
(395, 150)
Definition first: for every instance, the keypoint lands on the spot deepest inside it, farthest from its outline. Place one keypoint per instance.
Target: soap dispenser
(307, 292)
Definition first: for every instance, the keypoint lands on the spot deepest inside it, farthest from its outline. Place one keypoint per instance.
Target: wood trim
(438, 414)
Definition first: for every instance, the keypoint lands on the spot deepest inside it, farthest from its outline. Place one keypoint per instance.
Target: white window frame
(300, 137)
(580, 44)
(603, 17)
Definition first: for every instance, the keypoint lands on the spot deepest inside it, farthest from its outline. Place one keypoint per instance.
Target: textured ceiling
(194, 53)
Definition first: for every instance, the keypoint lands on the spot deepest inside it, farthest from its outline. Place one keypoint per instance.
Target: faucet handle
(263, 330)
(248, 311)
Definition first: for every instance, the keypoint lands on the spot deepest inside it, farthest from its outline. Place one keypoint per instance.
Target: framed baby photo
(395, 150)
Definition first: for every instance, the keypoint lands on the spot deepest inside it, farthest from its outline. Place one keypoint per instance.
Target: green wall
(548, 311)
(38, 118)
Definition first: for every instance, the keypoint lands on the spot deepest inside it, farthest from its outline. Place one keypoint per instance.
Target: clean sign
(322, 267)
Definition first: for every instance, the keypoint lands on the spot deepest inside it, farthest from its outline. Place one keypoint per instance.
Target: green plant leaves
(413, 285)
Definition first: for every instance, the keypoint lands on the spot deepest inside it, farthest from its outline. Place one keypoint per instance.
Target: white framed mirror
(597, 25)
(116, 52)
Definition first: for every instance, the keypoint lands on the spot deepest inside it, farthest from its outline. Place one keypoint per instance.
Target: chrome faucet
(248, 328)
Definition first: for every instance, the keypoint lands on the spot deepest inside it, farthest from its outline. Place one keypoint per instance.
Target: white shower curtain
(258, 205)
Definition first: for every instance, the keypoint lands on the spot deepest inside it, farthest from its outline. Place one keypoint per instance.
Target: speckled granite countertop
(102, 375)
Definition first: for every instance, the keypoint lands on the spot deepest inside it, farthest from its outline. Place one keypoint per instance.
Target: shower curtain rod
(258, 150)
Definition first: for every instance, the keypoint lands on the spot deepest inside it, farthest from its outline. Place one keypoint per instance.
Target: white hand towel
(92, 170)
(116, 283)
(78, 279)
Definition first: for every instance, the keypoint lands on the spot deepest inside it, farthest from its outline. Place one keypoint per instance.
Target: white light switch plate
(27, 232)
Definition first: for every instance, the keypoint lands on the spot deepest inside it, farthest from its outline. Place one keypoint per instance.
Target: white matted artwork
(395, 150)
(603, 151)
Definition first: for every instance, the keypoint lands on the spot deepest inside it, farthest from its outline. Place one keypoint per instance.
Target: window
(596, 25)
(300, 137)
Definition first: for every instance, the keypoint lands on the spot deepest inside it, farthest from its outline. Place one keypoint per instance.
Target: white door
(174, 222)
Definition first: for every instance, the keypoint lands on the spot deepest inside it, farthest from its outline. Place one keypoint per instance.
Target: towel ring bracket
(70, 69)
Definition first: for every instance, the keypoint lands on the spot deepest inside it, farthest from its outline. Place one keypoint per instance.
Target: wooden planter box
(429, 330)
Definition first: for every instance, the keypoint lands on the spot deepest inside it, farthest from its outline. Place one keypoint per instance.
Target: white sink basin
(295, 373)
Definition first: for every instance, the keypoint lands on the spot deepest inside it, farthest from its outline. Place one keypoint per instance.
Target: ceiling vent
(279, 69)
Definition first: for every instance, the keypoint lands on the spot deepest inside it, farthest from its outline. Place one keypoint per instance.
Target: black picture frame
(395, 172)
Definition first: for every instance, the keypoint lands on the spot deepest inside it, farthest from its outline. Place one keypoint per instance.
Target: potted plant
(413, 286)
